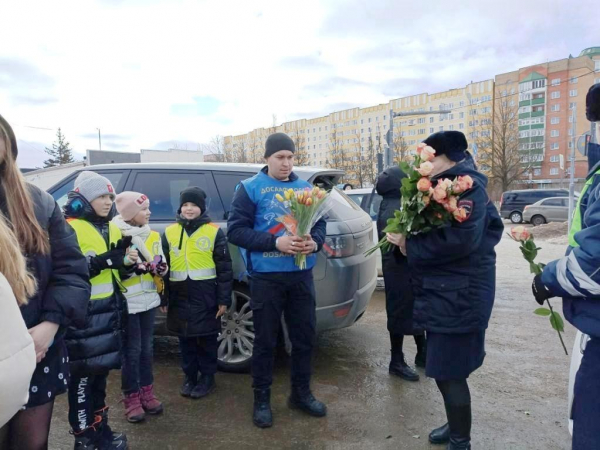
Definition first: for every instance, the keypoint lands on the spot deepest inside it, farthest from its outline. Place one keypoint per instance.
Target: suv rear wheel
(236, 340)
(538, 220)
(516, 217)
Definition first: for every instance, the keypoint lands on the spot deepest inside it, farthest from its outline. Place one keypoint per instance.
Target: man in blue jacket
(277, 285)
(576, 278)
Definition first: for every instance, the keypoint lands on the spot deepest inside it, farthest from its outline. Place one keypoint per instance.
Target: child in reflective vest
(143, 299)
(198, 290)
(96, 349)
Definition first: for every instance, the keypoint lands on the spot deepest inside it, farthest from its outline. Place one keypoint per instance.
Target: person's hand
(131, 256)
(399, 240)
(164, 309)
(222, 310)
(540, 292)
(162, 269)
(289, 244)
(113, 259)
(123, 243)
(43, 337)
(307, 246)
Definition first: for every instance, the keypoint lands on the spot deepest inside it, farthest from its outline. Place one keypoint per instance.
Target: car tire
(236, 340)
(538, 220)
(516, 217)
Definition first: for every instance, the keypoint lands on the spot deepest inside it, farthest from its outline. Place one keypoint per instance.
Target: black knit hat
(453, 144)
(277, 142)
(11, 136)
(193, 195)
(592, 103)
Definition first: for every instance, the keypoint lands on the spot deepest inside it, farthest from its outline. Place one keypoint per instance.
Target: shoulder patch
(467, 205)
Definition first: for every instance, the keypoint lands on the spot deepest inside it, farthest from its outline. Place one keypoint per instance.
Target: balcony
(538, 101)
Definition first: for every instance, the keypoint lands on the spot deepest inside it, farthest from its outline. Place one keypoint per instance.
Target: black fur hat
(453, 144)
(592, 103)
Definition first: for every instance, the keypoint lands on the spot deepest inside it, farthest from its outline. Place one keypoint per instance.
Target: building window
(451, 127)
(572, 105)
(461, 115)
(556, 107)
(554, 171)
(431, 119)
(384, 117)
(461, 126)
(537, 171)
(573, 80)
(573, 93)
(554, 146)
(554, 133)
(538, 84)
(556, 82)
(555, 94)
(431, 130)
(441, 129)
(555, 120)
(462, 103)
(570, 131)
(598, 65)
(554, 158)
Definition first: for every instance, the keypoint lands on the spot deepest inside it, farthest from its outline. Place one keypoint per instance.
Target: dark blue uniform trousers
(292, 294)
(586, 400)
(199, 354)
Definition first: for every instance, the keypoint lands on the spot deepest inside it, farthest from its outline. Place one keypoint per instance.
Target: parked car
(581, 341)
(344, 278)
(513, 203)
(369, 201)
(553, 209)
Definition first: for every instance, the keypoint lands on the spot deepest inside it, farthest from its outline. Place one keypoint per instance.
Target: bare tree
(497, 139)
(401, 152)
(217, 146)
(256, 147)
(240, 152)
(338, 155)
(301, 157)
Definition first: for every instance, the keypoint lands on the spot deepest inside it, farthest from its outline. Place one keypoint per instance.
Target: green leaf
(542, 312)
(557, 322)
(535, 268)
(404, 167)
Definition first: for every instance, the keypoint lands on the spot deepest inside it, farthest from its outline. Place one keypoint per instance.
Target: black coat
(454, 267)
(96, 348)
(398, 289)
(193, 304)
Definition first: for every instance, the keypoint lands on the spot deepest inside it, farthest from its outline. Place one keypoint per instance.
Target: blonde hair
(13, 265)
(31, 237)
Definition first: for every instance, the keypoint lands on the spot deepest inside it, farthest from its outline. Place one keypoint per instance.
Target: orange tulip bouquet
(301, 210)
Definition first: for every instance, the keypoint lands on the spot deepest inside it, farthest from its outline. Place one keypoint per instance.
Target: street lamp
(99, 139)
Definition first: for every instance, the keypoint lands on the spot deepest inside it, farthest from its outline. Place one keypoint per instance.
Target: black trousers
(198, 354)
(292, 294)
(87, 394)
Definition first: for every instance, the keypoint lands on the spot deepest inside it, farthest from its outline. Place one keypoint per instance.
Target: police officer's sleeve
(164, 298)
(240, 225)
(224, 268)
(455, 241)
(578, 273)
(318, 233)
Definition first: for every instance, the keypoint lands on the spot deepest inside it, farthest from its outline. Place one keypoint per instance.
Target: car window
(564, 202)
(374, 206)
(226, 183)
(116, 178)
(347, 209)
(552, 202)
(357, 198)
(163, 189)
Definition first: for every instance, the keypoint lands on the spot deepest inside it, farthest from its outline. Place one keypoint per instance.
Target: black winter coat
(454, 267)
(193, 304)
(96, 348)
(398, 289)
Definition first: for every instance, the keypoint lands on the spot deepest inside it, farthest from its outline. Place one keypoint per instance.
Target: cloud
(16, 73)
(27, 100)
(107, 136)
(307, 62)
(199, 106)
(327, 86)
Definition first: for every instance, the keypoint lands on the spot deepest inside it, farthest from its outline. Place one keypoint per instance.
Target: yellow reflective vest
(144, 284)
(195, 257)
(92, 243)
(576, 223)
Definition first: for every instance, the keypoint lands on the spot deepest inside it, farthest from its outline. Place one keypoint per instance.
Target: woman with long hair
(60, 270)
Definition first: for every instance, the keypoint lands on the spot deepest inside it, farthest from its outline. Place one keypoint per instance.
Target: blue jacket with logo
(454, 267)
(576, 276)
(254, 228)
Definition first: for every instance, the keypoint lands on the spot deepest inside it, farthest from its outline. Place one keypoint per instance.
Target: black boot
(86, 439)
(187, 386)
(421, 357)
(303, 400)
(204, 387)
(398, 365)
(262, 417)
(440, 435)
(109, 439)
(459, 422)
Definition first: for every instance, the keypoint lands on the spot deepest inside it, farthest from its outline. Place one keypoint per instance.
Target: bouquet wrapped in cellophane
(301, 210)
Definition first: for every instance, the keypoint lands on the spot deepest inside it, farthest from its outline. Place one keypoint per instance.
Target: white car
(581, 341)
(369, 201)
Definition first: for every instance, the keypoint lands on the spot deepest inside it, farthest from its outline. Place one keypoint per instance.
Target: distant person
(277, 285)
(399, 299)
(143, 299)
(199, 288)
(61, 300)
(576, 278)
(17, 350)
(97, 349)
(453, 271)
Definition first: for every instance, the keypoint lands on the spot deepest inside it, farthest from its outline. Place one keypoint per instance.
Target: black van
(513, 202)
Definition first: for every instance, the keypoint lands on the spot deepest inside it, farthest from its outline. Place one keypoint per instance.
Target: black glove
(122, 243)
(540, 292)
(113, 259)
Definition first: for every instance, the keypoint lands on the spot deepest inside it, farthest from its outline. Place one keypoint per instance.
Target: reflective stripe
(584, 280)
(178, 276)
(198, 274)
(101, 291)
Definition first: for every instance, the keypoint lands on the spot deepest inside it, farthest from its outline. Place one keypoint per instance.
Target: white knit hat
(91, 186)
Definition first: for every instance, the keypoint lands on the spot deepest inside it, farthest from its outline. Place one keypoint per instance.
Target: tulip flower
(280, 198)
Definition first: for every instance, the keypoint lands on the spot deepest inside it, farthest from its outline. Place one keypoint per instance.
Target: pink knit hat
(130, 203)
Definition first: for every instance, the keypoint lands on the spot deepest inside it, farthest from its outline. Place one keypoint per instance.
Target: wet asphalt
(519, 395)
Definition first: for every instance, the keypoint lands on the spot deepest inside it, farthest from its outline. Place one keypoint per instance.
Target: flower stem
(557, 330)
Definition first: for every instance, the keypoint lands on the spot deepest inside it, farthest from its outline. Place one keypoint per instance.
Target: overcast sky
(152, 73)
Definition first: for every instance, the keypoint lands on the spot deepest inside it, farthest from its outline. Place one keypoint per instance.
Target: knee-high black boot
(398, 365)
(421, 357)
(459, 422)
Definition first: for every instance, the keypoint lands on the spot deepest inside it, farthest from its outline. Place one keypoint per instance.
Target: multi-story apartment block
(547, 98)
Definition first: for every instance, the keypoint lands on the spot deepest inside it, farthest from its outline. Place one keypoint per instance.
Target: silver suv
(344, 278)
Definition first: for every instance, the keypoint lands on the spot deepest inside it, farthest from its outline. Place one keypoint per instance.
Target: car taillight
(526, 206)
(339, 246)
(501, 200)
